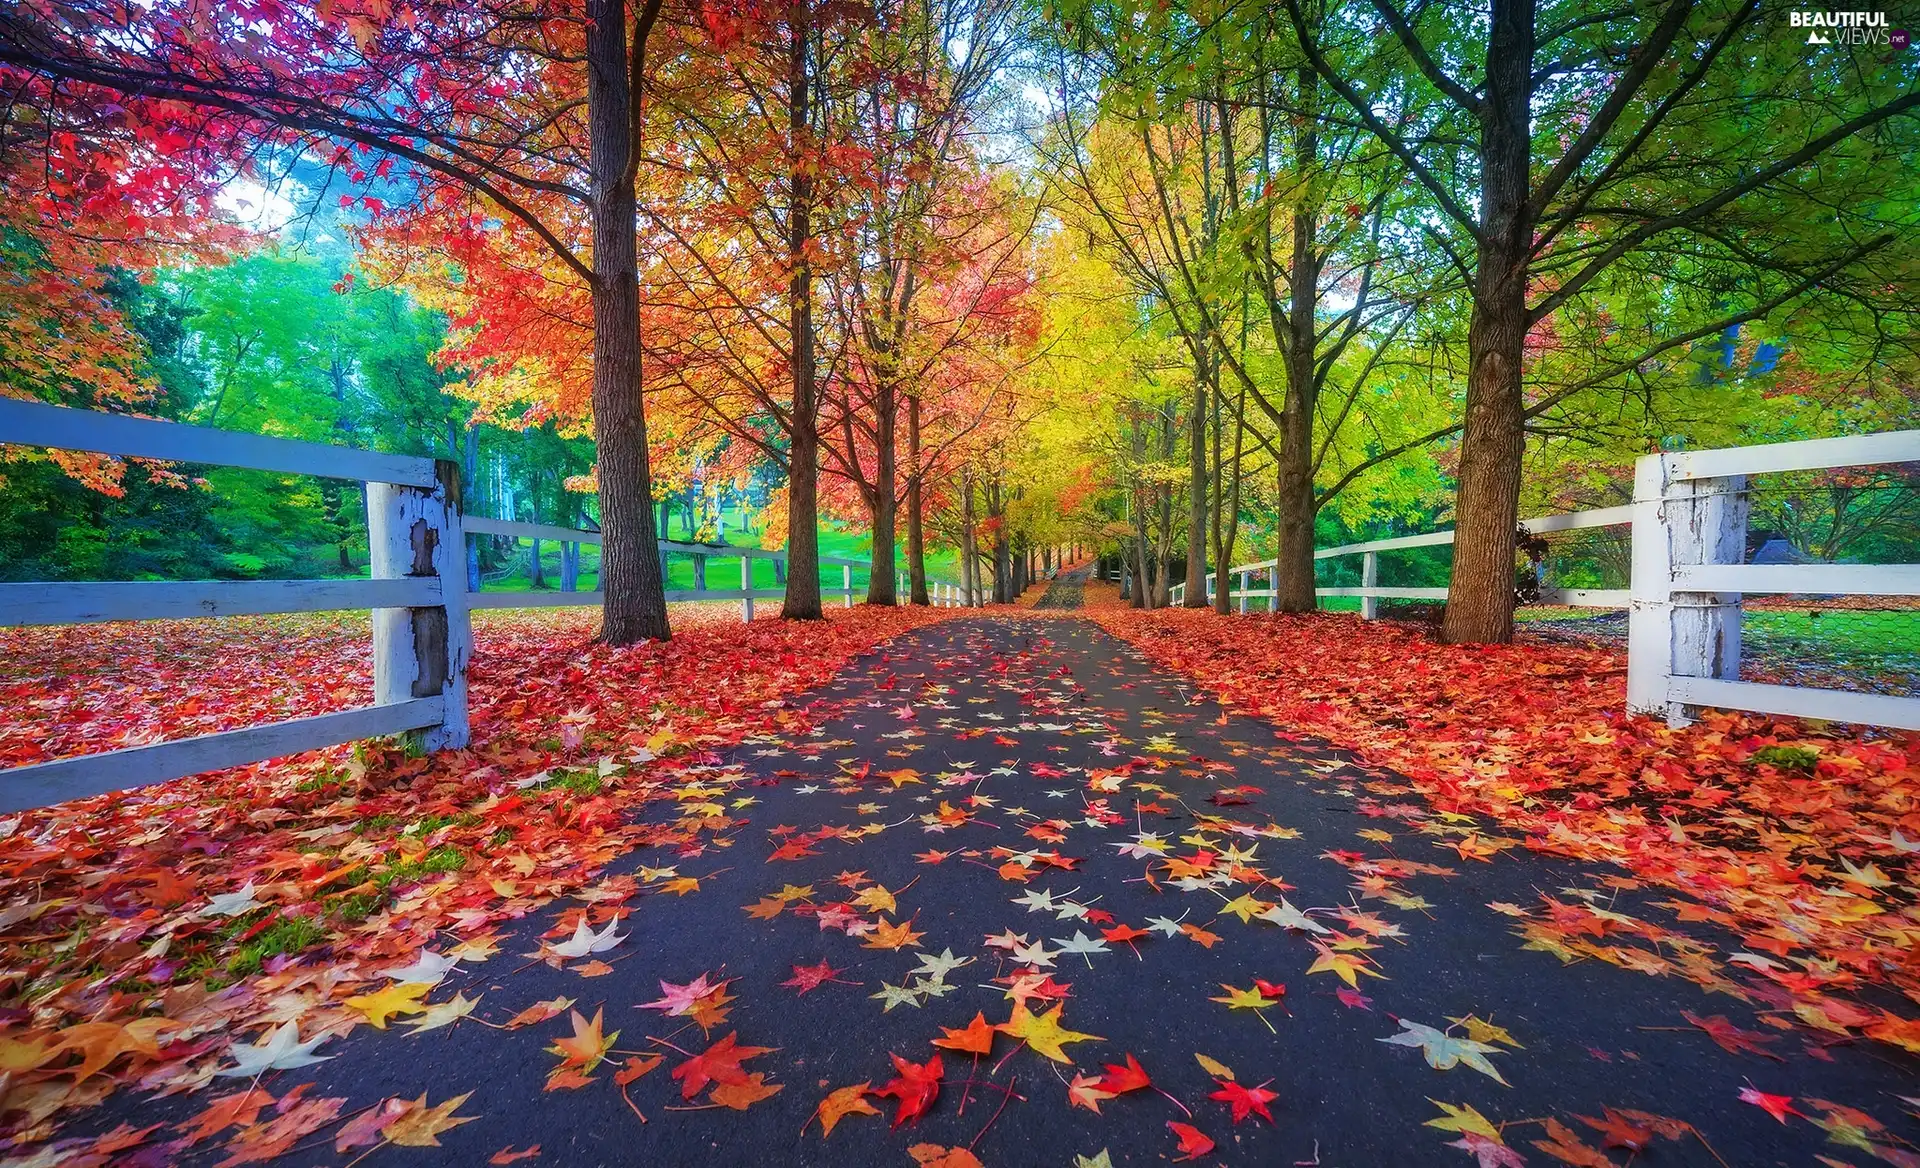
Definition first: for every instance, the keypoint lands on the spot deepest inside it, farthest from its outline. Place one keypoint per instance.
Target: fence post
(699, 572)
(746, 585)
(846, 585)
(422, 652)
(1370, 578)
(1681, 523)
(1245, 578)
(1273, 588)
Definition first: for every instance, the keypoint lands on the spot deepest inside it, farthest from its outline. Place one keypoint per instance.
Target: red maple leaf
(1778, 1106)
(916, 1087)
(1731, 1038)
(1121, 1078)
(807, 978)
(1245, 1101)
(719, 1063)
(1193, 1141)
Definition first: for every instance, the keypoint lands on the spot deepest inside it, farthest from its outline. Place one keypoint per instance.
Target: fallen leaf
(1193, 1141)
(399, 998)
(916, 1087)
(421, 1126)
(1245, 1101)
(841, 1103)
(975, 1037)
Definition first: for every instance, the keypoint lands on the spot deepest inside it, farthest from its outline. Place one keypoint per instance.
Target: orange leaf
(975, 1037)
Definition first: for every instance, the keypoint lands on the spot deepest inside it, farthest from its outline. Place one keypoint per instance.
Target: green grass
(579, 782)
(1788, 758)
(285, 936)
(1870, 634)
(724, 572)
(358, 906)
(1833, 632)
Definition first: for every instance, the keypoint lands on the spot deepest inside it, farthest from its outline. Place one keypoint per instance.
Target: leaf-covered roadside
(1800, 838)
(145, 934)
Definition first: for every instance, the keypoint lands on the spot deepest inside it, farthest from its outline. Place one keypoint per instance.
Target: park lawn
(1868, 633)
(837, 541)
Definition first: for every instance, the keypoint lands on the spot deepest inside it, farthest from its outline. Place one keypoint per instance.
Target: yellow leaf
(1214, 1067)
(399, 998)
(1464, 1120)
(420, 1126)
(844, 1102)
(1042, 1032)
(586, 1047)
(1483, 1031)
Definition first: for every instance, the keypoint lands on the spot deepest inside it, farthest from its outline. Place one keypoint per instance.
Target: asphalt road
(1031, 781)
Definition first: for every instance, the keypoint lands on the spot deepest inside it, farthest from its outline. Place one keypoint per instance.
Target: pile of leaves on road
(1798, 838)
(147, 934)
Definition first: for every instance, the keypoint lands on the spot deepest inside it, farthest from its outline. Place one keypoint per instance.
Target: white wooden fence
(1371, 591)
(1690, 534)
(940, 594)
(418, 597)
(1689, 522)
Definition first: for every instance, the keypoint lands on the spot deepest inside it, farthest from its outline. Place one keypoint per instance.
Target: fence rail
(418, 595)
(1690, 536)
(1370, 591)
(421, 635)
(940, 593)
(1689, 528)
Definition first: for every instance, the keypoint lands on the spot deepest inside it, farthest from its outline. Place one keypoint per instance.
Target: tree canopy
(1176, 285)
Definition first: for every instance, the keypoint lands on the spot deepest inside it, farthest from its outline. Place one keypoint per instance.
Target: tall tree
(527, 114)
(1559, 147)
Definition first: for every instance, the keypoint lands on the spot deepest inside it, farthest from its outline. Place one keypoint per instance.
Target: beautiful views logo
(1848, 28)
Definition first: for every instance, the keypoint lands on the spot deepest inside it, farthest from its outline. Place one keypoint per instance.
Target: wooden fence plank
(1386, 593)
(1807, 579)
(1587, 597)
(1577, 520)
(1832, 705)
(1895, 446)
(25, 423)
(140, 766)
(91, 603)
(480, 525)
(535, 599)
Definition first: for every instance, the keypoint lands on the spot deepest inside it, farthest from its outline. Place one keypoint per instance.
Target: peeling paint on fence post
(422, 652)
(1681, 522)
(1706, 524)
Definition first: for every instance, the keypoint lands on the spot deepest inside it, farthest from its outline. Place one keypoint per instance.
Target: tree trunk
(803, 467)
(1487, 504)
(1197, 493)
(884, 504)
(1163, 550)
(916, 530)
(969, 544)
(1294, 508)
(470, 482)
(1226, 505)
(1142, 592)
(635, 607)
